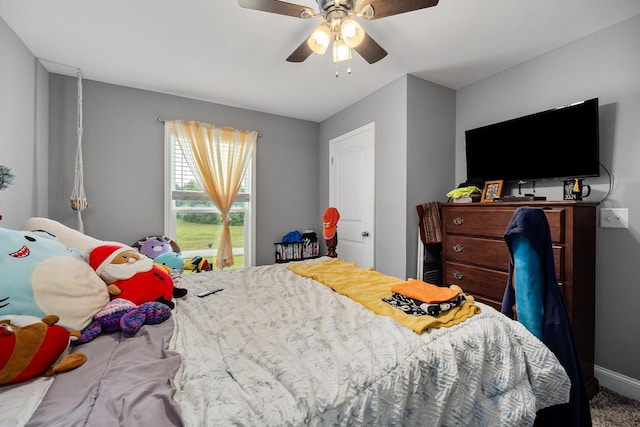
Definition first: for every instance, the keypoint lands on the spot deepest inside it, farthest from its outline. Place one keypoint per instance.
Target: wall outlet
(614, 218)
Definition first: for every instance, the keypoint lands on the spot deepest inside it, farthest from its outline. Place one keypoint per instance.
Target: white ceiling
(216, 51)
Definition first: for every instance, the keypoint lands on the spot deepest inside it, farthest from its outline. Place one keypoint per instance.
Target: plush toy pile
(163, 250)
(91, 286)
(166, 253)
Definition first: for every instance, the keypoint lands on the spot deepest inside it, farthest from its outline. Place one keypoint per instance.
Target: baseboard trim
(619, 383)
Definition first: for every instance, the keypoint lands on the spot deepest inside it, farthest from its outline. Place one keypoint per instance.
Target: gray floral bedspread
(276, 349)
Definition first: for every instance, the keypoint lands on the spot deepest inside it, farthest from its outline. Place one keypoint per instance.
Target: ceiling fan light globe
(320, 39)
(341, 52)
(352, 32)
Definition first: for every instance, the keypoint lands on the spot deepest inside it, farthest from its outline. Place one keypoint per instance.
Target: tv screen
(561, 143)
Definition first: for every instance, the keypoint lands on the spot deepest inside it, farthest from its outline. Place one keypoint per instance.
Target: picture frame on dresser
(492, 189)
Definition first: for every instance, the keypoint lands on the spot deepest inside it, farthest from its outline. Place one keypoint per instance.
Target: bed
(276, 347)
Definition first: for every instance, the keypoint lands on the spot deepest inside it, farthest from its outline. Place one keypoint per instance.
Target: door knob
(365, 234)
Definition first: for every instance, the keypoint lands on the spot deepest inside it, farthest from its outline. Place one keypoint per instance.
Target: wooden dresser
(476, 258)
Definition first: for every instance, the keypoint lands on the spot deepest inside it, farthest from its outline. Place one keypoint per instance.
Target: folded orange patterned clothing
(425, 292)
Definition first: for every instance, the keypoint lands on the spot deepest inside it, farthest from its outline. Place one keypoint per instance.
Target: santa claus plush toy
(113, 262)
(131, 275)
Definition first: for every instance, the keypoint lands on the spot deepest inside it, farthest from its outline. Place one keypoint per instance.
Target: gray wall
(387, 108)
(605, 65)
(124, 161)
(414, 120)
(430, 154)
(24, 94)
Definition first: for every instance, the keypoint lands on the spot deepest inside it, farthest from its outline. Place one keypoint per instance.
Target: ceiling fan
(340, 27)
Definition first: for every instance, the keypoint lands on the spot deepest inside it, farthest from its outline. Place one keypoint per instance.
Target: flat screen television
(561, 143)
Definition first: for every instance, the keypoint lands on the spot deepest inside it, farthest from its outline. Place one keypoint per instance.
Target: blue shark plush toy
(40, 276)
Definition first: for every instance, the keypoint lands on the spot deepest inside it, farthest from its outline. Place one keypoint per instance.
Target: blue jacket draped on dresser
(539, 307)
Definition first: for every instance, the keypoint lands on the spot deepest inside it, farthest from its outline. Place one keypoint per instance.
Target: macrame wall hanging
(78, 198)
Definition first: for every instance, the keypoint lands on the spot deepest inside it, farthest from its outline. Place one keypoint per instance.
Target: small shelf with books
(295, 251)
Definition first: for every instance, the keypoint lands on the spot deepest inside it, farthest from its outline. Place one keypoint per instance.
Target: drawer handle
(458, 221)
(458, 248)
(458, 275)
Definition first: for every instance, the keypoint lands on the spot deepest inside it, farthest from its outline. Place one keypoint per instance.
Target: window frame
(170, 210)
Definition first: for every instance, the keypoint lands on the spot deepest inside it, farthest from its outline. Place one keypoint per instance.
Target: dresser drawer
(483, 284)
(478, 251)
(489, 253)
(479, 282)
(493, 222)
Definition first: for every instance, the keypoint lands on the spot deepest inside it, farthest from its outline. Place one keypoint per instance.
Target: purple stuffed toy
(123, 315)
(153, 246)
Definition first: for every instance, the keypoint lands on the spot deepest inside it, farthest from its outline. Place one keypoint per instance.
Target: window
(193, 220)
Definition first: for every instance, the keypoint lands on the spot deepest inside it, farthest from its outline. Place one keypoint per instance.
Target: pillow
(41, 277)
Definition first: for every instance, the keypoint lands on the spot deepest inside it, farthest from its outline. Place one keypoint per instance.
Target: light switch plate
(614, 218)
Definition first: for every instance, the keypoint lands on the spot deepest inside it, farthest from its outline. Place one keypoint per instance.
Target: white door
(352, 191)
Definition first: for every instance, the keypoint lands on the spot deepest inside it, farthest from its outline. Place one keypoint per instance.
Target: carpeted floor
(610, 409)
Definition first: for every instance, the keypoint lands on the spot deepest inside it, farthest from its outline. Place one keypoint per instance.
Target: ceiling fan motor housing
(336, 9)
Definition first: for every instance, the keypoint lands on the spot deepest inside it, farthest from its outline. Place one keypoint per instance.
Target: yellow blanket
(368, 287)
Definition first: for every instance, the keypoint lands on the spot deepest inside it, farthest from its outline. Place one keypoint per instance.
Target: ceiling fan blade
(370, 50)
(279, 7)
(383, 8)
(301, 53)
